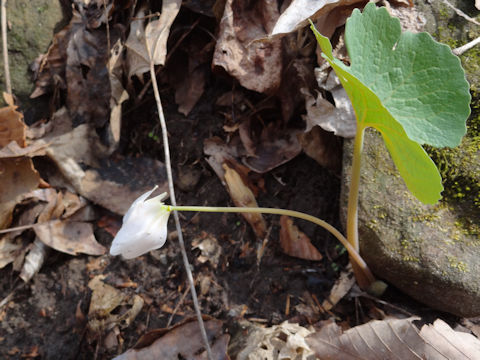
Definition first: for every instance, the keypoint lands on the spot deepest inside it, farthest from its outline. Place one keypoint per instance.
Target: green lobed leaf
(396, 88)
(418, 80)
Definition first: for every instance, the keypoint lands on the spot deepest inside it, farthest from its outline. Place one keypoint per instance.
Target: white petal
(144, 227)
(139, 200)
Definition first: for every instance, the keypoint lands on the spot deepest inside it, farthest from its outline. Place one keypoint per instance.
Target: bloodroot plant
(407, 86)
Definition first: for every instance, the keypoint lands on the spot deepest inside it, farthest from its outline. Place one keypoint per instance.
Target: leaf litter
(90, 67)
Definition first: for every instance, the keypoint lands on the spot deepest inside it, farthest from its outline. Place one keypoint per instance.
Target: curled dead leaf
(295, 243)
(34, 260)
(242, 196)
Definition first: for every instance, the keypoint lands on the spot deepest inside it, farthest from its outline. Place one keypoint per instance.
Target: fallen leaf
(394, 339)
(284, 341)
(274, 148)
(218, 154)
(34, 260)
(323, 147)
(341, 288)
(299, 11)
(12, 127)
(118, 93)
(172, 344)
(9, 250)
(69, 237)
(295, 243)
(257, 65)
(148, 43)
(106, 299)
(209, 248)
(17, 176)
(339, 118)
(242, 196)
(116, 184)
(12, 149)
(190, 90)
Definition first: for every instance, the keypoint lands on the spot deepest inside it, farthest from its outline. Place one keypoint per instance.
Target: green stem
(354, 255)
(352, 211)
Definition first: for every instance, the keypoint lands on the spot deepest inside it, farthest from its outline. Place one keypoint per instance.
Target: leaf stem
(354, 255)
(352, 210)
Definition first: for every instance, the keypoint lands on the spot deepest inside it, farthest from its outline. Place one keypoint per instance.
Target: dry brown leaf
(9, 250)
(394, 339)
(17, 176)
(256, 65)
(242, 196)
(12, 127)
(12, 149)
(218, 154)
(323, 147)
(34, 260)
(295, 243)
(190, 90)
(339, 118)
(116, 184)
(69, 237)
(105, 299)
(173, 344)
(209, 248)
(284, 341)
(299, 11)
(342, 286)
(118, 93)
(150, 42)
(274, 148)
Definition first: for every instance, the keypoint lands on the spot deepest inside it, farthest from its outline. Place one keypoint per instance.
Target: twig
(180, 302)
(171, 190)
(8, 82)
(460, 50)
(108, 26)
(461, 13)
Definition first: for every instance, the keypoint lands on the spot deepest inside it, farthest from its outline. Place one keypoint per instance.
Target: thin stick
(461, 13)
(460, 50)
(171, 190)
(8, 82)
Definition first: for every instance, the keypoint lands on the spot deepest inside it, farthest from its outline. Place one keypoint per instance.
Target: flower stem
(354, 255)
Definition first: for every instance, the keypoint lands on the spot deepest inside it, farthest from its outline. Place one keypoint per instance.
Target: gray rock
(431, 253)
(423, 250)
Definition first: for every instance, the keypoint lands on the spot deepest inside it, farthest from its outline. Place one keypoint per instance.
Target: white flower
(144, 227)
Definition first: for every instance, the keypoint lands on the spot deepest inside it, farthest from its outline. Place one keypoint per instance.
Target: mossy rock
(31, 28)
(429, 252)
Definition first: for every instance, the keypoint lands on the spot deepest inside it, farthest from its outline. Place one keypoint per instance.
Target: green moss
(457, 264)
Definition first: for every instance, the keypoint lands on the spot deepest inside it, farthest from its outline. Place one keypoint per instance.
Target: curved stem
(354, 255)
